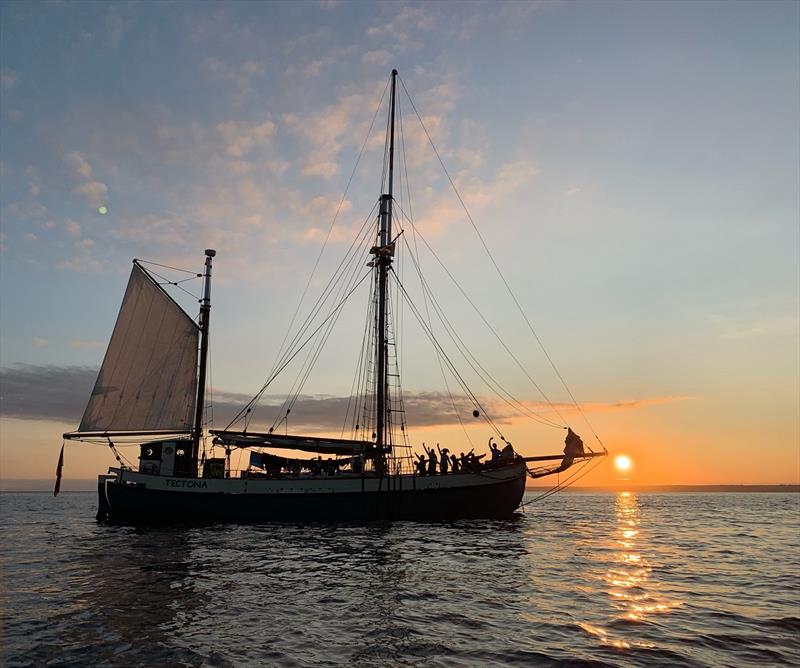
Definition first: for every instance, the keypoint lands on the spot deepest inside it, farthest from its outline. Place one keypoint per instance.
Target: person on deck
(432, 461)
(495, 450)
(420, 464)
(573, 447)
(455, 463)
(444, 460)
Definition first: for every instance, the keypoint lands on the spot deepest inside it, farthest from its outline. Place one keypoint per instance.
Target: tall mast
(384, 260)
(205, 315)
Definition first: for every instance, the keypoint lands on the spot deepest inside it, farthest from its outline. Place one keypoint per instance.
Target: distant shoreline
(77, 485)
(749, 489)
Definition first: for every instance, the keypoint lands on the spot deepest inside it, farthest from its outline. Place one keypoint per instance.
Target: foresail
(148, 379)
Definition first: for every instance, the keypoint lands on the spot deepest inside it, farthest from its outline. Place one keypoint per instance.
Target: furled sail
(148, 380)
(323, 444)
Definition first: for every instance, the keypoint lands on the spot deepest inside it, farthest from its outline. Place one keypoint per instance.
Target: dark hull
(131, 504)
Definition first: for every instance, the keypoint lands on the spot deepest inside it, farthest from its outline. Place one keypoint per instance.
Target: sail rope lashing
(432, 337)
(490, 327)
(480, 370)
(246, 409)
(500, 273)
(119, 456)
(316, 349)
(330, 229)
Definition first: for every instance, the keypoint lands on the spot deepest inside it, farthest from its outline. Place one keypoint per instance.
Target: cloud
(73, 228)
(241, 138)
(80, 165)
(34, 184)
(60, 393)
(378, 57)
(95, 192)
(616, 406)
(80, 344)
(332, 128)
(434, 217)
(39, 342)
(45, 392)
(29, 236)
(402, 27)
(239, 75)
(8, 78)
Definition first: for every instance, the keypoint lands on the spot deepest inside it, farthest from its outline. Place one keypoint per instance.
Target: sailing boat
(151, 387)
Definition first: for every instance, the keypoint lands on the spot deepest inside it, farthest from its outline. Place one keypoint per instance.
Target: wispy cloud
(8, 78)
(80, 344)
(60, 393)
(95, 192)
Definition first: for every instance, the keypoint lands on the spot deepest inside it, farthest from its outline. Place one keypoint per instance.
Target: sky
(632, 167)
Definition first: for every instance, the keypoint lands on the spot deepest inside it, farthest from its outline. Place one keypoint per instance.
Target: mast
(384, 261)
(205, 314)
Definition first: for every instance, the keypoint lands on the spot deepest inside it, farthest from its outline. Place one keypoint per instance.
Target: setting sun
(623, 463)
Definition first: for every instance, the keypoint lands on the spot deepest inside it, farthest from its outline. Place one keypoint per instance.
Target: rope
(500, 273)
(568, 482)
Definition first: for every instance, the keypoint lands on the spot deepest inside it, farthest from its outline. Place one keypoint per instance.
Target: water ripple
(582, 580)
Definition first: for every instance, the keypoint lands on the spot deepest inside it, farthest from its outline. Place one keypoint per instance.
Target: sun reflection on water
(634, 596)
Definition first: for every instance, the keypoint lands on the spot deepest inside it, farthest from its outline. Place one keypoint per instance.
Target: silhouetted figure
(444, 460)
(573, 447)
(495, 450)
(455, 463)
(420, 464)
(432, 461)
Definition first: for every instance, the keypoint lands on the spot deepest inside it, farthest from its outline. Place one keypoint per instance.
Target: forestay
(148, 379)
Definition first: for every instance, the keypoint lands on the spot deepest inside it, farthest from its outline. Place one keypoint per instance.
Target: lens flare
(102, 210)
(623, 463)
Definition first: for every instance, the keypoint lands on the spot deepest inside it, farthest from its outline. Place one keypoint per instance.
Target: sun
(623, 463)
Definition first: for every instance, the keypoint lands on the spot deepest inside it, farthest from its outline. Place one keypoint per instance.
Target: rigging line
(566, 483)
(438, 356)
(322, 340)
(333, 222)
(169, 282)
(362, 372)
(489, 326)
(296, 352)
(352, 267)
(328, 289)
(453, 370)
(499, 272)
(485, 376)
(166, 266)
(356, 376)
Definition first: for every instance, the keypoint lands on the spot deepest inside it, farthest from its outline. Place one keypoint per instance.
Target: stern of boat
(103, 506)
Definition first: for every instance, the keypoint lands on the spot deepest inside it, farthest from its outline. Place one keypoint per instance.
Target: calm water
(602, 579)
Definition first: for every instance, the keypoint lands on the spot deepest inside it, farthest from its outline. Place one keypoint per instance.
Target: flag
(59, 468)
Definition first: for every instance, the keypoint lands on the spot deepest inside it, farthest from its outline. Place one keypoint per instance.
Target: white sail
(148, 380)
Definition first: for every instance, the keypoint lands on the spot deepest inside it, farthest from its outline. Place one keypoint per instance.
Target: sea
(577, 579)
